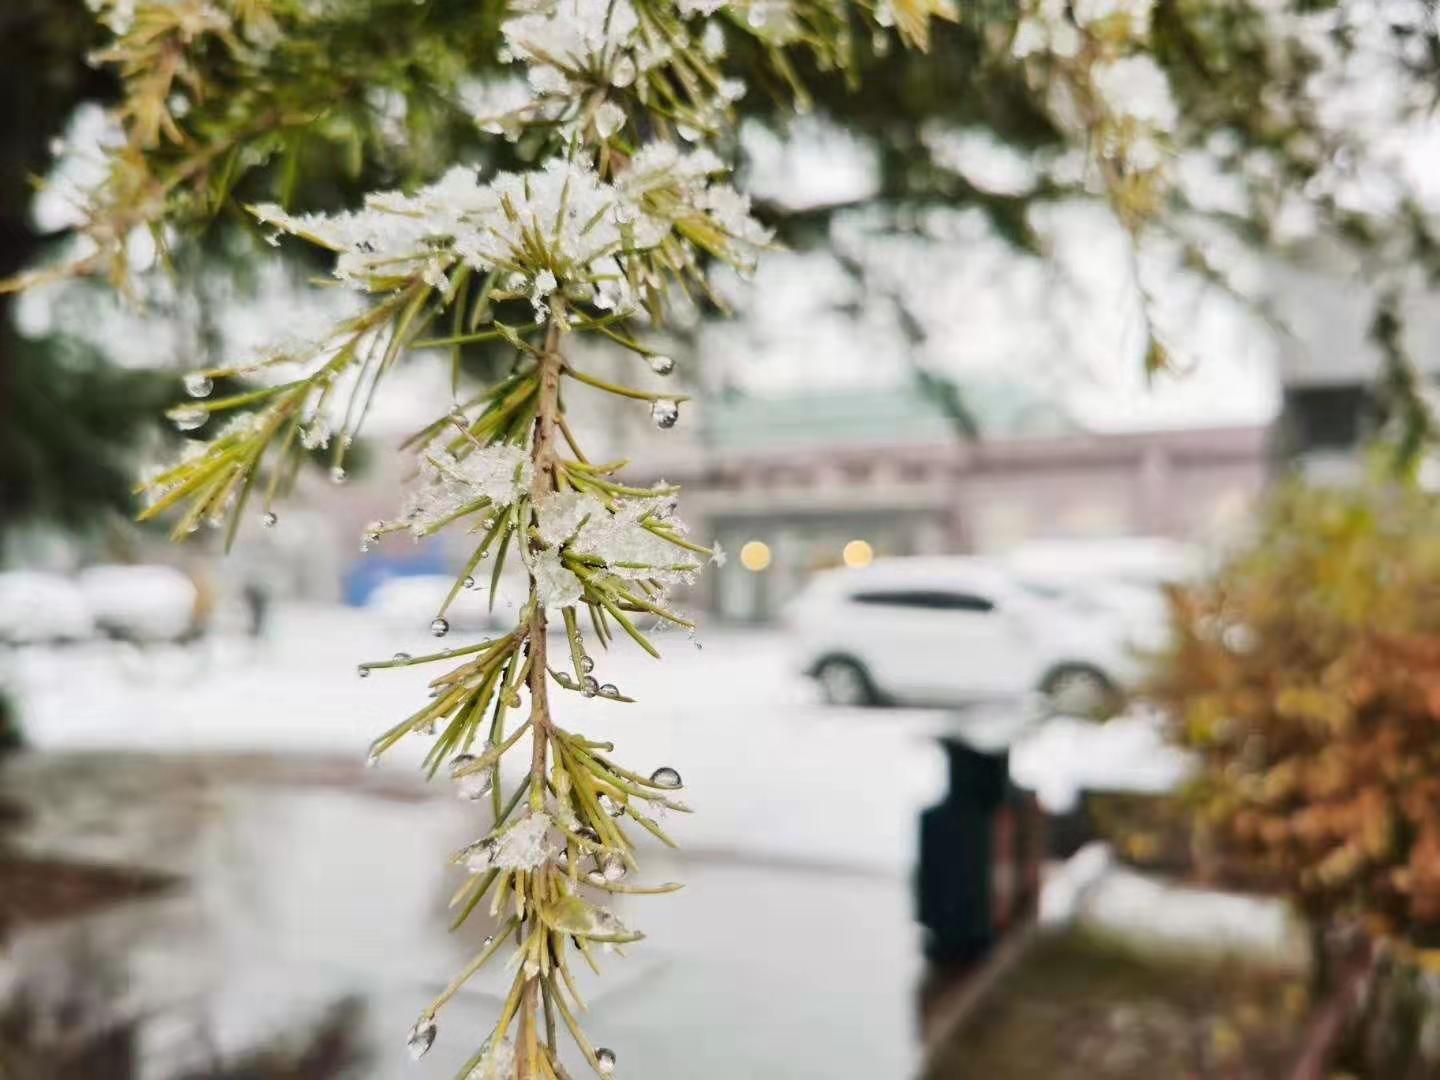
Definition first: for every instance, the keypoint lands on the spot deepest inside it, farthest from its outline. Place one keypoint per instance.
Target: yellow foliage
(1318, 723)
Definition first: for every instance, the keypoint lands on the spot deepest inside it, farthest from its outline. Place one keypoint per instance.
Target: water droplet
(585, 832)
(440, 626)
(198, 384)
(662, 365)
(609, 690)
(363, 671)
(472, 785)
(269, 519)
(337, 474)
(665, 776)
(605, 1060)
(664, 412)
(469, 582)
(589, 686)
(609, 119)
(612, 867)
(613, 807)
(587, 664)
(422, 1037)
(189, 419)
(622, 72)
(401, 658)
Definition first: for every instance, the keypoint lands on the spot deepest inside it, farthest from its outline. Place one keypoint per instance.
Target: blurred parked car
(950, 631)
(40, 608)
(141, 603)
(1121, 582)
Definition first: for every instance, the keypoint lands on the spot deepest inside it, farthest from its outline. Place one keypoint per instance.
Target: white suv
(950, 631)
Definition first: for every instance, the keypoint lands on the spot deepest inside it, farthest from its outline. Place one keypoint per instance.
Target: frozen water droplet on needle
(269, 519)
(666, 777)
(422, 1037)
(623, 72)
(337, 474)
(587, 664)
(609, 119)
(605, 1060)
(471, 786)
(198, 384)
(440, 626)
(661, 364)
(189, 419)
(664, 412)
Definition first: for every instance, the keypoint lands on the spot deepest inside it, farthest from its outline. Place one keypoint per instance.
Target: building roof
(909, 414)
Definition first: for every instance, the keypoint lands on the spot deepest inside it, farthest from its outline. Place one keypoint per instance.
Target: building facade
(790, 507)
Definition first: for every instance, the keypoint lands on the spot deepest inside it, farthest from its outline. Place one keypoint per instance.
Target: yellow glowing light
(858, 553)
(755, 555)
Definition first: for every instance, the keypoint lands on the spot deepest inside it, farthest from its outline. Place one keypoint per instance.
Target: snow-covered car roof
(938, 571)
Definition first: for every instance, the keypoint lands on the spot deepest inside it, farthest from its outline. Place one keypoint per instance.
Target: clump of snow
(585, 526)
(555, 586)
(1065, 757)
(497, 1062)
(500, 473)
(556, 225)
(559, 516)
(560, 38)
(525, 845)
(1135, 86)
(983, 160)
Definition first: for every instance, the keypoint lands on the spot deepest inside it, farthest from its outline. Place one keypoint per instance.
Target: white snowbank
(39, 607)
(1152, 914)
(1063, 758)
(143, 603)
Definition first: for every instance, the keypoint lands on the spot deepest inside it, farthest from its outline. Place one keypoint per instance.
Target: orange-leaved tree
(1305, 675)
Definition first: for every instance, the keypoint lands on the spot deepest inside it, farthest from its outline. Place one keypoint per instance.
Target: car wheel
(844, 682)
(1081, 691)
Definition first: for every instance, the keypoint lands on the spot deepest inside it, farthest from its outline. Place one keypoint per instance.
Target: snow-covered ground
(769, 770)
(793, 941)
(791, 952)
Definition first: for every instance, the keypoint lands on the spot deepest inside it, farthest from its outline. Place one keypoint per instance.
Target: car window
(928, 599)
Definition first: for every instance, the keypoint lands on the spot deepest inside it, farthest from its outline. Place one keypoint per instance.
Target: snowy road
(792, 951)
(771, 772)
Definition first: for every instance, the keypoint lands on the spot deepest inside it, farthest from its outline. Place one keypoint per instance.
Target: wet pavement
(309, 882)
